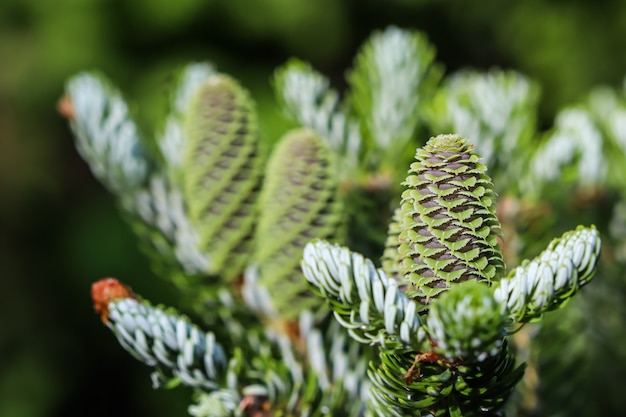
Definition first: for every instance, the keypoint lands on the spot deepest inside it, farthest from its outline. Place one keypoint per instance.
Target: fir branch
(551, 279)
(260, 370)
(586, 146)
(179, 350)
(607, 108)
(442, 388)
(467, 322)
(219, 403)
(440, 347)
(158, 216)
(495, 110)
(347, 365)
(171, 142)
(108, 140)
(307, 96)
(573, 151)
(393, 74)
(364, 300)
(106, 136)
(330, 377)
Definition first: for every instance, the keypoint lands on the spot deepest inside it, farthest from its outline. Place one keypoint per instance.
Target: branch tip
(106, 290)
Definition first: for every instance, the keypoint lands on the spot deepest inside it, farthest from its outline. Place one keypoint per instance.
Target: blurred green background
(59, 229)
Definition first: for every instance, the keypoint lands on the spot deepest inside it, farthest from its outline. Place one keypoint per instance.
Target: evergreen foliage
(497, 110)
(463, 333)
(300, 324)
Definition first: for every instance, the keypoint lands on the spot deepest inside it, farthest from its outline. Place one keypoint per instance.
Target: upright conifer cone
(222, 171)
(299, 202)
(448, 224)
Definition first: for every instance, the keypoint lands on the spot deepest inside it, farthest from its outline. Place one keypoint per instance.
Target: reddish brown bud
(105, 291)
(66, 108)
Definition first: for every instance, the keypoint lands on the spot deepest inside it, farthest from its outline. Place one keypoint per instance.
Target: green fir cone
(222, 171)
(448, 224)
(299, 201)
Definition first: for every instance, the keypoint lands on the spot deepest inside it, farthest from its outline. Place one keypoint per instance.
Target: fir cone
(299, 202)
(448, 224)
(222, 171)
